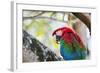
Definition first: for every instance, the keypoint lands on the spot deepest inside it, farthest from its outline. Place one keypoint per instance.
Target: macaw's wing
(71, 51)
(78, 46)
(73, 45)
(71, 36)
(79, 41)
(76, 41)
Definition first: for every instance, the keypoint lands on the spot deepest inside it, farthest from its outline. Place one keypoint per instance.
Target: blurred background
(41, 25)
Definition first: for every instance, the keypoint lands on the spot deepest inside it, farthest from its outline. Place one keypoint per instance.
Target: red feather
(68, 34)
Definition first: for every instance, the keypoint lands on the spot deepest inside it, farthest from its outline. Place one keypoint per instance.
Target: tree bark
(86, 20)
(34, 51)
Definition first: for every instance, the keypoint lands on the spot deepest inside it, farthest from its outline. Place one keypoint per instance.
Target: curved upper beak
(57, 34)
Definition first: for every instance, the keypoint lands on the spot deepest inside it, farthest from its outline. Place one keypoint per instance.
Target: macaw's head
(58, 33)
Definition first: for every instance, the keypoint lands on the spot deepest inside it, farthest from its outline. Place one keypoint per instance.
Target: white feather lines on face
(59, 33)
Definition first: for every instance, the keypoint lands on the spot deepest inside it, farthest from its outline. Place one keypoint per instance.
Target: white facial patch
(59, 33)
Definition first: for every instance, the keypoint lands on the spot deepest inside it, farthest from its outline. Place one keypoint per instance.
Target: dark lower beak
(58, 39)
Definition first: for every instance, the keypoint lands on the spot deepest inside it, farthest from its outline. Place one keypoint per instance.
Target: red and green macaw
(71, 45)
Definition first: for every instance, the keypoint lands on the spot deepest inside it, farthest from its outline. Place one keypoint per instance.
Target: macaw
(71, 45)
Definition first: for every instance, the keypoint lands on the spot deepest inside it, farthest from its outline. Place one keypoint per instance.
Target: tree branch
(52, 14)
(43, 17)
(39, 14)
(84, 19)
(63, 16)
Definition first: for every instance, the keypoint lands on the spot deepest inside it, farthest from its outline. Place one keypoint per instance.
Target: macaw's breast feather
(71, 51)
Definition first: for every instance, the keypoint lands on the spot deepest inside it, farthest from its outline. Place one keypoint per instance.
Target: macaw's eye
(58, 38)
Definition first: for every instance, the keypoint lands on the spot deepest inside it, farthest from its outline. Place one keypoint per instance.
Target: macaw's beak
(58, 39)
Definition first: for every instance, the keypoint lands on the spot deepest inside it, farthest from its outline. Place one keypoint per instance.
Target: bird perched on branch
(71, 45)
